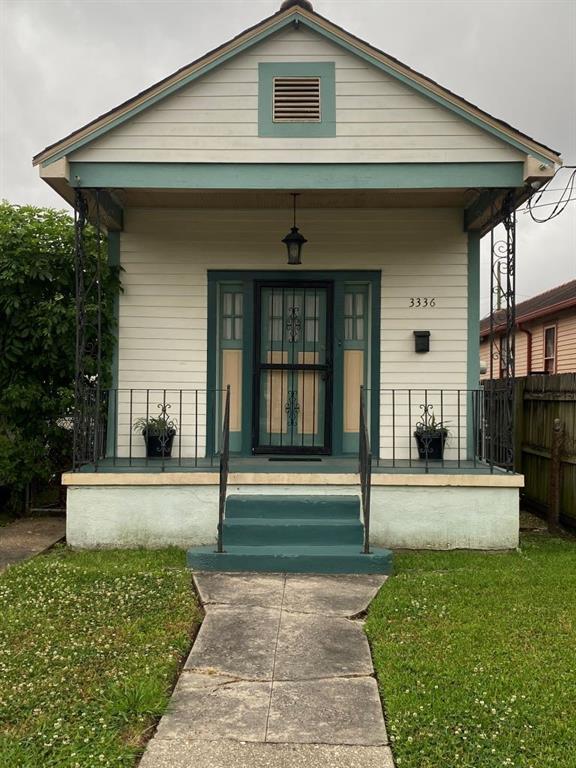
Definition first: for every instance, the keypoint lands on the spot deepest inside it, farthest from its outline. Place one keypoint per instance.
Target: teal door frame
(248, 279)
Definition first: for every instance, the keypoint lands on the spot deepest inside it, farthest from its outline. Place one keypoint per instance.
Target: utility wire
(560, 204)
(530, 208)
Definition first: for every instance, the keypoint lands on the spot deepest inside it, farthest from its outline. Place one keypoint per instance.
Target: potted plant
(431, 435)
(158, 432)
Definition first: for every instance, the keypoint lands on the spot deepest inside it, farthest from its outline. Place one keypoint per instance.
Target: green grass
(90, 644)
(476, 657)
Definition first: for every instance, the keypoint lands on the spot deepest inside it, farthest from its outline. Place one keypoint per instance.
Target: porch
(288, 505)
(211, 315)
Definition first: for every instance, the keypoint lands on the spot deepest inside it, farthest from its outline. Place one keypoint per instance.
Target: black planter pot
(431, 444)
(159, 446)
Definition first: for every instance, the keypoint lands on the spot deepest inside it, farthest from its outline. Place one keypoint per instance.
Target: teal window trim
(326, 127)
(231, 333)
(357, 336)
(369, 278)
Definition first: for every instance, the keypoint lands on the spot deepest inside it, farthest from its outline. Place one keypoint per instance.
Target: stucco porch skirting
(181, 509)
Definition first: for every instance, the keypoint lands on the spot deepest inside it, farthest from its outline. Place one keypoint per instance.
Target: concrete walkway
(25, 538)
(280, 676)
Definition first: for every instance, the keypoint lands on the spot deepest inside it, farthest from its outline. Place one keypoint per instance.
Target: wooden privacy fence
(545, 426)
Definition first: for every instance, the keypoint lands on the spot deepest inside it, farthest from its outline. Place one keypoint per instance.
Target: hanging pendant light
(294, 240)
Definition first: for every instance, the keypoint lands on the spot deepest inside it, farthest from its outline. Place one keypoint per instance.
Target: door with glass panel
(293, 368)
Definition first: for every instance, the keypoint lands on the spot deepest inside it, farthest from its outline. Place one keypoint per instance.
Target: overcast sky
(63, 62)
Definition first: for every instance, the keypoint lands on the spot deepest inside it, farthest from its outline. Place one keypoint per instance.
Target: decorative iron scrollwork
(88, 416)
(293, 324)
(500, 391)
(292, 408)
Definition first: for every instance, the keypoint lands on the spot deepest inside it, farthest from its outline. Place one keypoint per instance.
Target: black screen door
(293, 368)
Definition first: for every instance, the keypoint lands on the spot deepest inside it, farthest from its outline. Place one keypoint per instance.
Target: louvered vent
(297, 100)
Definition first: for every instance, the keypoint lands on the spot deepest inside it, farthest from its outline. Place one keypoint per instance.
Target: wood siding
(565, 323)
(165, 255)
(215, 119)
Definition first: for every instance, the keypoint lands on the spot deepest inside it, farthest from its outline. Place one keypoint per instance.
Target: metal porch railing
(153, 427)
(224, 465)
(426, 429)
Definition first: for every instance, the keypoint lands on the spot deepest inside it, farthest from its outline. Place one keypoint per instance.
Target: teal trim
(424, 91)
(248, 278)
(299, 176)
(170, 90)
(473, 362)
(326, 71)
(375, 332)
(211, 362)
(338, 370)
(247, 366)
(114, 261)
(356, 51)
(351, 341)
(230, 323)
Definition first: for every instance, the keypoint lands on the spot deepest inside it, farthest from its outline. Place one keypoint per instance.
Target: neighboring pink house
(545, 335)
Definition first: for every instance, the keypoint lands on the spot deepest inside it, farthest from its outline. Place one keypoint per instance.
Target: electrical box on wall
(421, 341)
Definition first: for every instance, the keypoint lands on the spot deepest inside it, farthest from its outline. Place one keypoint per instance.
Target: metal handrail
(365, 470)
(224, 466)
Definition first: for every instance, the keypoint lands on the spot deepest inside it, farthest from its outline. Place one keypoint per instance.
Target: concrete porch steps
(292, 534)
(258, 531)
(291, 559)
(293, 506)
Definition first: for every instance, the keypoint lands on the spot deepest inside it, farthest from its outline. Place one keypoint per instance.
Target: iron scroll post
(500, 390)
(87, 427)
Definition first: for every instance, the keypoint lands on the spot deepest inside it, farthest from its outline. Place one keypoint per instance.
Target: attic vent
(297, 100)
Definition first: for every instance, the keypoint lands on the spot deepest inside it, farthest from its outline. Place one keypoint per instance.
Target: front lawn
(476, 657)
(90, 644)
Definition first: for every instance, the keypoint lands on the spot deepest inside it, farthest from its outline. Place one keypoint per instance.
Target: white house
(193, 179)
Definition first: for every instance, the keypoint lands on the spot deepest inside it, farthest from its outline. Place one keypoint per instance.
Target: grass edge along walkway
(91, 644)
(474, 654)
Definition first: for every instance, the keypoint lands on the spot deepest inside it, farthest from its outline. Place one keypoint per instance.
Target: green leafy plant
(37, 341)
(155, 425)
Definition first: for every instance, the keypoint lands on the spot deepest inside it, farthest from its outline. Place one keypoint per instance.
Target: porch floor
(281, 465)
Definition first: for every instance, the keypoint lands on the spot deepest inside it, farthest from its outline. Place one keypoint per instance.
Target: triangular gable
(263, 30)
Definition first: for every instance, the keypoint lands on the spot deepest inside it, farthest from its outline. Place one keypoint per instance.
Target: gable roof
(295, 13)
(546, 303)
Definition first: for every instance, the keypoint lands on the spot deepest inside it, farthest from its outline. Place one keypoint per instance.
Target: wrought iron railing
(424, 429)
(365, 470)
(224, 464)
(158, 427)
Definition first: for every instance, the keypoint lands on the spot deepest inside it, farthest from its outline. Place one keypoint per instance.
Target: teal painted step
(335, 559)
(289, 507)
(276, 531)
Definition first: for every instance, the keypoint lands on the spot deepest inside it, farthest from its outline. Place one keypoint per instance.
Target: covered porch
(313, 380)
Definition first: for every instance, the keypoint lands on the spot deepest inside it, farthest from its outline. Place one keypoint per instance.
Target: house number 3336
(423, 301)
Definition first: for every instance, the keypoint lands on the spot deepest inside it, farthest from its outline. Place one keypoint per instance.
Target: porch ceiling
(246, 199)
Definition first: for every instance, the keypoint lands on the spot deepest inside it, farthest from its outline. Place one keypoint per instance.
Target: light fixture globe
(294, 240)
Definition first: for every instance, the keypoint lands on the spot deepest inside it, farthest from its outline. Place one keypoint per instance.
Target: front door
(293, 367)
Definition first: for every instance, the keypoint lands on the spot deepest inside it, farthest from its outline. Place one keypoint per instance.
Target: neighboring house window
(297, 100)
(550, 349)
